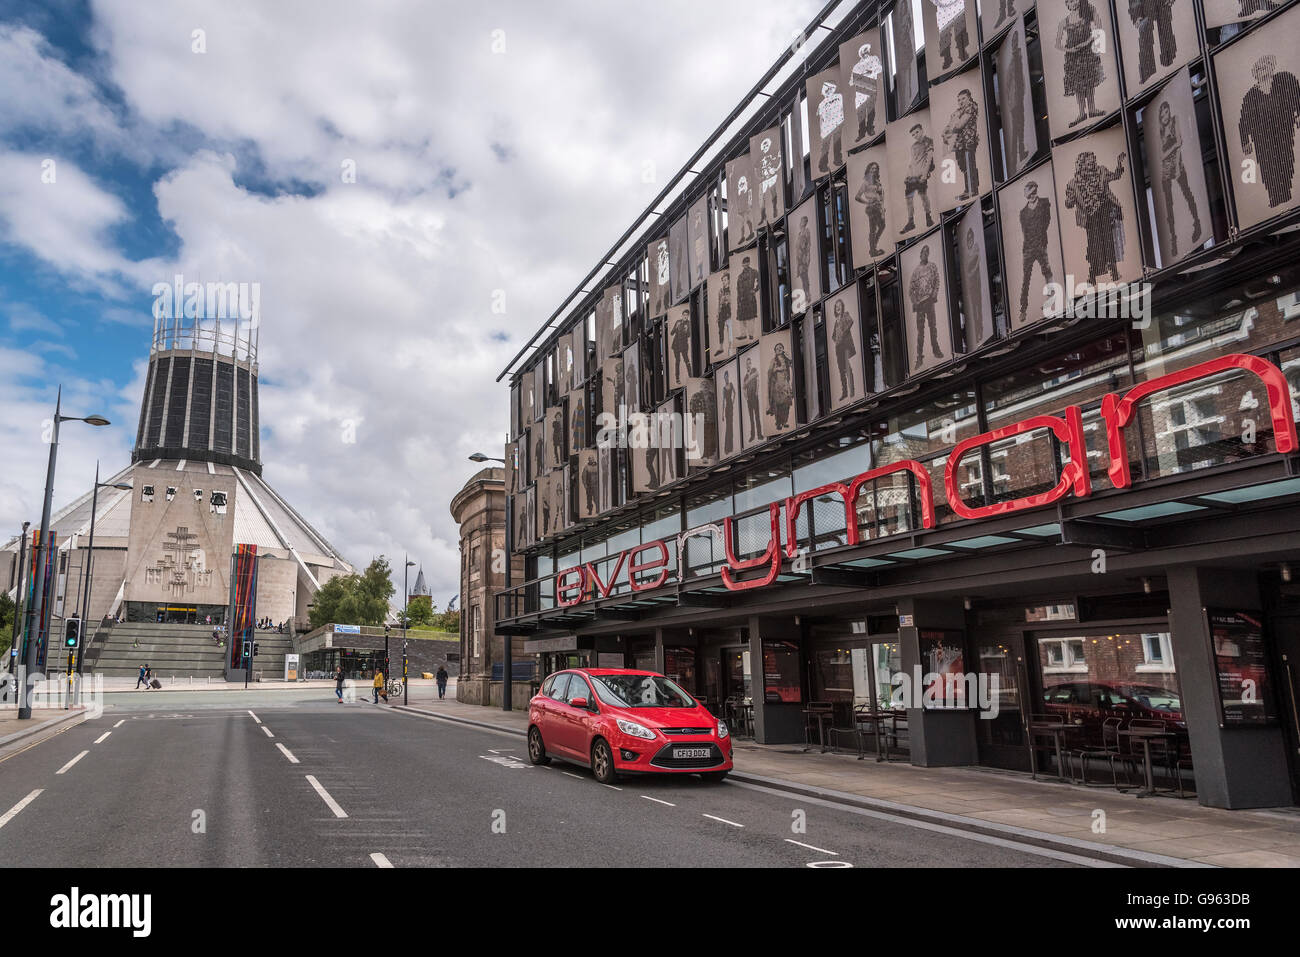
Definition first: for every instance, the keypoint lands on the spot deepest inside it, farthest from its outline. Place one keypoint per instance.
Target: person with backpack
(338, 682)
(441, 677)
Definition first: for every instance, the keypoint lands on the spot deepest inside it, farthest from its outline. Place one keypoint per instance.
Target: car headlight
(634, 729)
(722, 729)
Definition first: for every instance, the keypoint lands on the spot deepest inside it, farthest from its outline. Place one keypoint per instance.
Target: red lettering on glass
(1074, 474)
(563, 587)
(849, 494)
(635, 566)
(1118, 412)
(771, 556)
(604, 588)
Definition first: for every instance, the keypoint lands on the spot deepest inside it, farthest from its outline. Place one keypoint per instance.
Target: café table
(877, 721)
(822, 715)
(1144, 737)
(1057, 732)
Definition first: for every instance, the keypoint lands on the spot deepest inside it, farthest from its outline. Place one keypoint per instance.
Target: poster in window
(512, 466)
(660, 272)
(543, 490)
(963, 151)
(541, 395)
(645, 453)
(997, 15)
(726, 380)
(844, 348)
(612, 306)
(563, 518)
(805, 267)
(750, 367)
(540, 465)
(825, 122)
(528, 390)
(579, 340)
(972, 259)
(1078, 63)
(701, 423)
(679, 344)
(1259, 96)
(632, 377)
(944, 664)
(907, 84)
(925, 299)
(515, 399)
(1173, 148)
(556, 432)
(1094, 191)
(589, 484)
(1031, 246)
(778, 382)
(861, 73)
(743, 272)
(742, 203)
(768, 151)
(528, 520)
(949, 29)
(577, 420)
(1156, 37)
(869, 207)
(781, 684)
(1241, 664)
(698, 234)
(911, 165)
(564, 364)
(608, 472)
(680, 271)
(672, 438)
(611, 390)
(1221, 12)
(1015, 100)
(808, 347)
(722, 325)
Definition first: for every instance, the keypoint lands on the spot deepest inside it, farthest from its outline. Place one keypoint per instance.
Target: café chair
(1108, 750)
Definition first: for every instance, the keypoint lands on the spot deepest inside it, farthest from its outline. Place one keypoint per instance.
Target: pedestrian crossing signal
(72, 637)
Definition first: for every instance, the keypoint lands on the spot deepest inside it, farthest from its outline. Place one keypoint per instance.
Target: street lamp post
(90, 562)
(406, 598)
(42, 550)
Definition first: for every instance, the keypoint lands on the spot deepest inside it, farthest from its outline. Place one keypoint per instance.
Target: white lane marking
(325, 796)
(819, 850)
(505, 760)
(657, 801)
(572, 775)
(10, 814)
(723, 820)
(255, 717)
(103, 736)
(611, 787)
(120, 723)
(287, 753)
(267, 731)
(380, 860)
(938, 828)
(72, 762)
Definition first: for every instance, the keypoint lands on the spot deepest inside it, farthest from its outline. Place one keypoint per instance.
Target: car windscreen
(641, 691)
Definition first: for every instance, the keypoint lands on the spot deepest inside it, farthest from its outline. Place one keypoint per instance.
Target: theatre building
(927, 365)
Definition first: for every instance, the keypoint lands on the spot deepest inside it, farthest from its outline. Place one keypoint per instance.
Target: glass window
(761, 486)
(577, 688)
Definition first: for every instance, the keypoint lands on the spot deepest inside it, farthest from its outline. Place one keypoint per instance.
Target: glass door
(1001, 739)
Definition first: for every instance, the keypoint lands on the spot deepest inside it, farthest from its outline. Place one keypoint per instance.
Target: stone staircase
(181, 650)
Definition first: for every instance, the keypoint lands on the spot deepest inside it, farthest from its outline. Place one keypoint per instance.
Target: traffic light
(254, 649)
(73, 635)
(248, 650)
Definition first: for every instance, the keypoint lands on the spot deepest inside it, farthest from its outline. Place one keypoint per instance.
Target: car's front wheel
(602, 762)
(536, 749)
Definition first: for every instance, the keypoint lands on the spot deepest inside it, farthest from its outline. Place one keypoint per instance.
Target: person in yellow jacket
(379, 686)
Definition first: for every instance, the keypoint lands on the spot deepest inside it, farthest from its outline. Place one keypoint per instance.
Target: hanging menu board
(1241, 665)
(781, 673)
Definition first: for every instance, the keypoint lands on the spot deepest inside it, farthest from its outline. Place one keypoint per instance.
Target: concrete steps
(180, 650)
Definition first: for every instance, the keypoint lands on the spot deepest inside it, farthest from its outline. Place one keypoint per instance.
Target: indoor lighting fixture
(1286, 572)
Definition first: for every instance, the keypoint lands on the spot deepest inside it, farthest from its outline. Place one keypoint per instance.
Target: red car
(617, 720)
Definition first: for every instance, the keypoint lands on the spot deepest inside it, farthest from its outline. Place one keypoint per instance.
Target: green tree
(355, 599)
(447, 621)
(7, 612)
(419, 611)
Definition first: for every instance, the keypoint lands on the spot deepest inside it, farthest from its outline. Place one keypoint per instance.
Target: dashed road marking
(657, 801)
(380, 860)
(267, 731)
(819, 850)
(287, 753)
(572, 775)
(72, 762)
(10, 814)
(723, 820)
(103, 736)
(611, 787)
(120, 723)
(325, 796)
(255, 717)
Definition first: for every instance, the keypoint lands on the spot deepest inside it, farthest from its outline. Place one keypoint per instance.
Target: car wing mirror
(578, 702)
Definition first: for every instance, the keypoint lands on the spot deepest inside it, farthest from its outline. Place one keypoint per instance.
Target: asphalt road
(288, 780)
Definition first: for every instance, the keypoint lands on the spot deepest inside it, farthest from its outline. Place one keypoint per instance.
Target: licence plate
(691, 752)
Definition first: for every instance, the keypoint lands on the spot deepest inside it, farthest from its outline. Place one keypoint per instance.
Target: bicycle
(394, 687)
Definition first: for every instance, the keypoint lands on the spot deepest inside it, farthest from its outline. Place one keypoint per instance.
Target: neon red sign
(582, 583)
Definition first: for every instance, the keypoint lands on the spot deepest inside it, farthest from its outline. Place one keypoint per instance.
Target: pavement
(1094, 821)
(300, 780)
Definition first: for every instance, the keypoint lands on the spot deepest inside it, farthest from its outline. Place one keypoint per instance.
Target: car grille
(678, 731)
(665, 759)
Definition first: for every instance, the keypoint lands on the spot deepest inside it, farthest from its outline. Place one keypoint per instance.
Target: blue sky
(498, 148)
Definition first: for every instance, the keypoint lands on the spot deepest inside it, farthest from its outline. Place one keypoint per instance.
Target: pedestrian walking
(338, 682)
(148, 678)
(379, 686)
(441, 677)
(142, 680)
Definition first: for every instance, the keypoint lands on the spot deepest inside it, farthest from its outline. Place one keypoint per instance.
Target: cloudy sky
(497, 146)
